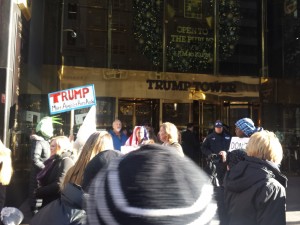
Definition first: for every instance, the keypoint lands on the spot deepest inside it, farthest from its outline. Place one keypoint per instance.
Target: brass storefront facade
(139, 96)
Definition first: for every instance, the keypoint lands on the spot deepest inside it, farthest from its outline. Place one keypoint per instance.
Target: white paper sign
(74, 98)
(238, 143)
(126, 149)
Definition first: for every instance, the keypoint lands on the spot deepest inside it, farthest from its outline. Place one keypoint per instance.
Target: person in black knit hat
(153, 185)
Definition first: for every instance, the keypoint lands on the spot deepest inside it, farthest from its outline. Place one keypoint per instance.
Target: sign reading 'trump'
(74, 98)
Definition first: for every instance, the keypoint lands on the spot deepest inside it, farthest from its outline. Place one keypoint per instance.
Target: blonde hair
(6, 169)
(266, 146)
(97, 142)
(63, 144)
(172, 131)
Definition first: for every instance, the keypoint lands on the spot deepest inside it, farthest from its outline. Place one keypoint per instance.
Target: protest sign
(238, 143)
(70, 99)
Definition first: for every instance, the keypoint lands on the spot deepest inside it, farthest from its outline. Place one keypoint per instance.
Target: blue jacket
(118, 141)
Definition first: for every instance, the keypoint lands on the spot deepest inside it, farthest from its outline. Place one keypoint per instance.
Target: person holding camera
(215, 147)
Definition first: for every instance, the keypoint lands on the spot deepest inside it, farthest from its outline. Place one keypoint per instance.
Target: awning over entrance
(169, 86)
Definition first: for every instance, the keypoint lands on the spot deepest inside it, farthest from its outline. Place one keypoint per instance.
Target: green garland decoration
(229, 17)
(147, 28)
(193, 57)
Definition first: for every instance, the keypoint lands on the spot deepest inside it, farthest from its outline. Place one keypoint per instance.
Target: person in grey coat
(40, 152)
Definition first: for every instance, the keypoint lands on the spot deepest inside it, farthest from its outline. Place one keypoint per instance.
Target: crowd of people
(148, 178)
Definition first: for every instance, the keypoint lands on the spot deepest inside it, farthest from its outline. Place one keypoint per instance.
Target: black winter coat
(67, 210)
(255, 194)
(99, 162)
(190, 144)
(214, 143)
(2, 196)
(54, 178)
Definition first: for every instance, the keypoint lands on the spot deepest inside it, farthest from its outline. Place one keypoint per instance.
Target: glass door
(135, 112)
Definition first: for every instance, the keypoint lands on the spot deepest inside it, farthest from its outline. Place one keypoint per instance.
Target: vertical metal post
(134, 114)
(216, 38)
(62, 26)
(109, 34)
(160, 111)
(61, 44)
(263, 38)
(191, 116)
(72, 122)
(116, 108)
(164, 58)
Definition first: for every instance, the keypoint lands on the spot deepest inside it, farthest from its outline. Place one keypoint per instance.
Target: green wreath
(147, 27)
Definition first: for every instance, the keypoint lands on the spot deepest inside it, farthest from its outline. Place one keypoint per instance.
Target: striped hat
(247, 126)
(151, 186)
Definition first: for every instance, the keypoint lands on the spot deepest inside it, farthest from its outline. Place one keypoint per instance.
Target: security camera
(73, 34)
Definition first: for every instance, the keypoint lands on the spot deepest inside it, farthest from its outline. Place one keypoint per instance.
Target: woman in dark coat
(254, 188)
(65, 210)
(68, 209)
(56, 167)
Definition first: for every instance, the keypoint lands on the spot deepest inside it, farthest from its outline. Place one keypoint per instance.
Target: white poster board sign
(33, 117)
(70, 99)
(126, 149)
(238, 143)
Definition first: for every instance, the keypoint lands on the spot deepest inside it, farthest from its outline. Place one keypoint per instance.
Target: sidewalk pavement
(293, 201)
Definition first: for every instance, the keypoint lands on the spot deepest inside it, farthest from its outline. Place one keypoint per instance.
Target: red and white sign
(70, 99)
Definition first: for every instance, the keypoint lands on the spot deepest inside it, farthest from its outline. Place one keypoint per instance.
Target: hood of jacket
(73, 195)
(35, 137)
(99, 162)
(251, 171)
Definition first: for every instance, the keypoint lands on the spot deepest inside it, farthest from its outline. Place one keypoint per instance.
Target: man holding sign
(243, 130)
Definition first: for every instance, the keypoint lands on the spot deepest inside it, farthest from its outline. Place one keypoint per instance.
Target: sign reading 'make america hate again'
(70, 99)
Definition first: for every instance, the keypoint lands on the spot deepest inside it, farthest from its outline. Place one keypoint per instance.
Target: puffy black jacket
(67, 210)
(255, 193)
(99, 162)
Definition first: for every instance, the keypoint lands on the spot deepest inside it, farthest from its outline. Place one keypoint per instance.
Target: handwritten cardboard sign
(238, 143)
